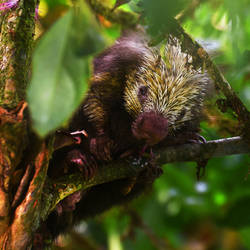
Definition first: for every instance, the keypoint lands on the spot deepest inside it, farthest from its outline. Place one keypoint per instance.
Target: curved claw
(194, 138)
(200, 138)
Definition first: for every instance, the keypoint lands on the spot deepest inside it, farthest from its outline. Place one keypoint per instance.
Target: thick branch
(12, 141)
(16, 41)
(125, 168)
(27, 215)
(109, 172)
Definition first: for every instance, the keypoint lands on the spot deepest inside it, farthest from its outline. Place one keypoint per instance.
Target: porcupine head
(165, 93)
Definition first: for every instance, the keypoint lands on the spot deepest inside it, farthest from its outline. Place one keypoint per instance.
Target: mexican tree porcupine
(139, 97)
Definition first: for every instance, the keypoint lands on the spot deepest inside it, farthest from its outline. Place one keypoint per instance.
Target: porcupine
(139, 97)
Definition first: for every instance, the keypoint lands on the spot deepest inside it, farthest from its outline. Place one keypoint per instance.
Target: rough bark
(16, 44)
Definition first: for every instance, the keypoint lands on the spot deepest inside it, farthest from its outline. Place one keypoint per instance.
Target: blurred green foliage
(180, 212)
(61, 69)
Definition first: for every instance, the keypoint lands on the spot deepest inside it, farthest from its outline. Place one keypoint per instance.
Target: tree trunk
(18, 211)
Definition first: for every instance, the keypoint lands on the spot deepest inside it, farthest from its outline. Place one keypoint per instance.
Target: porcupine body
(139, 97)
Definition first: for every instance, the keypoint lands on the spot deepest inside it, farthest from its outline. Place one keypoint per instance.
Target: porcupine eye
(142, 93)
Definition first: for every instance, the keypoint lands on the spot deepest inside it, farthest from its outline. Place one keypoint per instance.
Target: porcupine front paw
(84, 162)
(102, 147)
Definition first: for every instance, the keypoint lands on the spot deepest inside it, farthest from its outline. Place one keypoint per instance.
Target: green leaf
(159, 14)
(61, 70)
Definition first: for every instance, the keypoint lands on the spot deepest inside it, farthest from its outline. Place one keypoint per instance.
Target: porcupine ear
(124, 55)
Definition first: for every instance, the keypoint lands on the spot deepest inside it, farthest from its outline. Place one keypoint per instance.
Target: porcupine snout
(151, 127)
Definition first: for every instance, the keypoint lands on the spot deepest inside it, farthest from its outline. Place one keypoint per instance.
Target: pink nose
(150, 126)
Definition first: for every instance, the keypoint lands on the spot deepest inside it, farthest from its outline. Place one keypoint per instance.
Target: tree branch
(16, 42)
(17, 29)
(17, 223)
(210, 149)
(128, 168)
(27, 215)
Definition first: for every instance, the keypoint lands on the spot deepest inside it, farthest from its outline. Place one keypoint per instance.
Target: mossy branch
(21, 215)
(16, 39)
(125, 168)
(16, 43)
